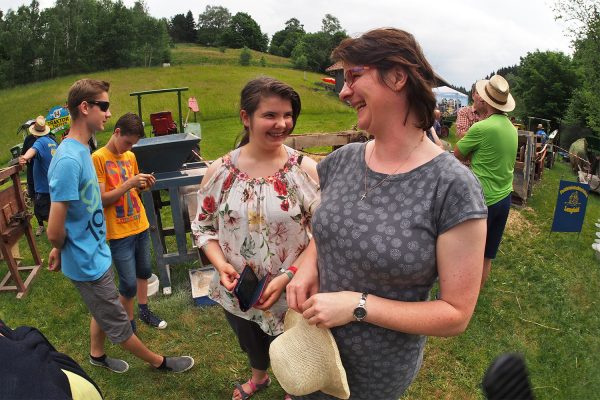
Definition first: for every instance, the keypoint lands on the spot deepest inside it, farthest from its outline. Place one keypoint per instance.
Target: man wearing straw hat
(42, 152)
(492, 146)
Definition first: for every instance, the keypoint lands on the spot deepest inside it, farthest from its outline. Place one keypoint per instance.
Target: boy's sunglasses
(103, 105)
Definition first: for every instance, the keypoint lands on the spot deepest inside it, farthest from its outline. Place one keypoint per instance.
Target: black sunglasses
(103, 105)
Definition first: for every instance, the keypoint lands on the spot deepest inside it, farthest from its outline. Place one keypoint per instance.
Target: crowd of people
(352, 245)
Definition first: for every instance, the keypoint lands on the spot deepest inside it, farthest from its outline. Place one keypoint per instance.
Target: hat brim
(510, 101)
(338, 385)
(38, 133)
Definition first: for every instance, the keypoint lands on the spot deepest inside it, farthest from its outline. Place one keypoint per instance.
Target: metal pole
(180, 116)
(139, 97)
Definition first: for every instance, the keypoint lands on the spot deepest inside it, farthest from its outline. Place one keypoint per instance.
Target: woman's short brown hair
(389, 48)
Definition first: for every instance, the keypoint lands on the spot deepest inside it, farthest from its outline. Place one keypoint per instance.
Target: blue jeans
(131, 257)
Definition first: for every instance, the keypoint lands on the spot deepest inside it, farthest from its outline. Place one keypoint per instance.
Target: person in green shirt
(491, 144)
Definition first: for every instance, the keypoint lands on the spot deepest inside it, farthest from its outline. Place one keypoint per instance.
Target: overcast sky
(463, 39)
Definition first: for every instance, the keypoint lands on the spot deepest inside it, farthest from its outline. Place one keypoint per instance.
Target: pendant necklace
(367, 189)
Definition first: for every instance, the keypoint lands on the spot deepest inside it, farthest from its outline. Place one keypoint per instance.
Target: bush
(300, 62)
(263, 62)
(222, 49)
(245, 57)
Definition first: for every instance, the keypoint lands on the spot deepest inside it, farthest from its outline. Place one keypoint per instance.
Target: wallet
(249, 288)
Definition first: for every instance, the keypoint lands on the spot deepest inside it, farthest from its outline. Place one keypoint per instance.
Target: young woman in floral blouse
(254, 208)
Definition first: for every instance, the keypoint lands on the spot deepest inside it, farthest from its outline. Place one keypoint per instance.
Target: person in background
(255, 207)
(491, 144)
(541, 134)
(77, 231)
(39, 153)
(466, 116)
(437, 122)
(396, 213)
(126, 221)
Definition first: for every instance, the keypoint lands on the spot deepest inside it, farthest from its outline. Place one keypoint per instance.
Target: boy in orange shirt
(126, 221)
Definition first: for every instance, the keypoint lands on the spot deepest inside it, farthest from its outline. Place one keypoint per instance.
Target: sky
(464, 40)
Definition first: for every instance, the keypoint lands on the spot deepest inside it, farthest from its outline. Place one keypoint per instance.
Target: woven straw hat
(305, 359)
(39, 128)
(496, 93)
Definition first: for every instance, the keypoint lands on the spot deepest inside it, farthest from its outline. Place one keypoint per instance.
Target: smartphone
(249, 288)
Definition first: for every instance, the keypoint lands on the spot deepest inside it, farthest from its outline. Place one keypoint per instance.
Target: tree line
(78, 36)
(216, 27)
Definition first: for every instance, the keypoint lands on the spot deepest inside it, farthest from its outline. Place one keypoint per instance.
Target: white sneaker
(40, 230)
(596, 246)
(597, 224)
(598, 235)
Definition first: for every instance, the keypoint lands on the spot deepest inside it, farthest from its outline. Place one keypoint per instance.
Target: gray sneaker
(177, 364)
(114, 364)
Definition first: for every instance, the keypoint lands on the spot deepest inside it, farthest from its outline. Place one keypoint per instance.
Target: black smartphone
(249, 288)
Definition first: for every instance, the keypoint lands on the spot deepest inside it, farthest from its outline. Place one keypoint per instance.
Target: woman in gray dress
(396, 214)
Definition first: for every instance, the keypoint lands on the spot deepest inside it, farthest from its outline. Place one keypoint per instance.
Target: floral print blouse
(260, 222)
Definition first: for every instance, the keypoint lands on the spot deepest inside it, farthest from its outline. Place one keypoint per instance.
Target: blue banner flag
(570, 206)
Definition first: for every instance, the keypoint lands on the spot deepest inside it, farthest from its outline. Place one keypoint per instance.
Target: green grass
(187, 53)
(216, 87)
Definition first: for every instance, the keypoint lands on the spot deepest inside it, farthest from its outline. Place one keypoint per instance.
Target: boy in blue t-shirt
(41, 151)
(77, 230)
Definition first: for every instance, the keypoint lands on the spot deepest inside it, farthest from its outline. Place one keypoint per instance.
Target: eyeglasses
(350, 74)
(103, 105)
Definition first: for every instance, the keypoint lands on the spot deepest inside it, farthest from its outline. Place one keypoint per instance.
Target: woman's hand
(272, 292)
(228, 275)
(302, 286)
(327, 310)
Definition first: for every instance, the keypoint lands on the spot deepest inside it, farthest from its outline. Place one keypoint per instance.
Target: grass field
(215, 86)
(541, 299)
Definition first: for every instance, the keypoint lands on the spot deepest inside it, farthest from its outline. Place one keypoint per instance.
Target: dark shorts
(496, 221)
(41, 206)
(102, 300)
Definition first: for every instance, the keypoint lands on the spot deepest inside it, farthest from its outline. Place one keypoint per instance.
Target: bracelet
(289, 274)
(293, 269)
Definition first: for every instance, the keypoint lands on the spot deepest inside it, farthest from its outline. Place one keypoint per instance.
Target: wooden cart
(14, 223)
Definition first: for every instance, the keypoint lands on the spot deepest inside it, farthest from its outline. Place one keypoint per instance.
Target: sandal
(287, 397)
(255, 387)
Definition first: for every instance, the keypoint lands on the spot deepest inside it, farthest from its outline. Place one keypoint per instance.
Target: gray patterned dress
(385, 245)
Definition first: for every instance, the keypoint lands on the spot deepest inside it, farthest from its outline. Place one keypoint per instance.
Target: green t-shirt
(492, 144)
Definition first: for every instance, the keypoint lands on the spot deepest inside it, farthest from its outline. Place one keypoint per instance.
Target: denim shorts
(131, 257)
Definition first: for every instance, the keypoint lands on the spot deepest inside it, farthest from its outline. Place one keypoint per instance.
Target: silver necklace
(367, 190)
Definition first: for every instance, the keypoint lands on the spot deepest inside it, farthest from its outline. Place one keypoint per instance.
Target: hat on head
(305, 359)
(39, 128)
(540, 126)
(496, 93)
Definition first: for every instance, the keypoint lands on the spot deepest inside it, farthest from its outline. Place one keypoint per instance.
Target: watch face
(360, 313)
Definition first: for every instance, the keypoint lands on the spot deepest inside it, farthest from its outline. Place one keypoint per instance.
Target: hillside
(213, 77)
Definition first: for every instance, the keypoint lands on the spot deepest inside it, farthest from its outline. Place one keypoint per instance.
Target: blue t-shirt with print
(45, 148)
(85, 255)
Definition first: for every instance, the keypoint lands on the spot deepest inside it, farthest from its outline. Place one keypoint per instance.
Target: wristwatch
(360, 312)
